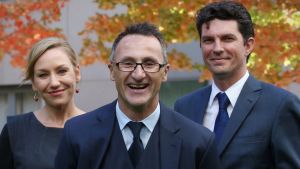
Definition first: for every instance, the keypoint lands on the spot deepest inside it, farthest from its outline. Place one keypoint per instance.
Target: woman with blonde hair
(30, 140)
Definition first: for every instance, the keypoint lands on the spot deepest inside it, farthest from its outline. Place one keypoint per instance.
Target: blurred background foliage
(276, 58)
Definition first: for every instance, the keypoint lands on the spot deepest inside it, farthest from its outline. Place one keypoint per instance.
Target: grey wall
(96, 89)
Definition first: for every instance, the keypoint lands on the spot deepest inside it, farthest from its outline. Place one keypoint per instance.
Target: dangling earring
(77, 88)
(35, 97)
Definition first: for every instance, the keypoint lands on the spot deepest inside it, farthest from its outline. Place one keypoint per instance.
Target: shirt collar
(214, 91)
(232, 92)
(149, 121)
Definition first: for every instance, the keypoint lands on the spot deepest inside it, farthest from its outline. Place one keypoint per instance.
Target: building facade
(96, 89)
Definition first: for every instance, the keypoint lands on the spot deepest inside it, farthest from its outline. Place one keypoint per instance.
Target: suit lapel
(246, 100)
(170, 145)
(206, 95)
(201, 103)
(101, 133)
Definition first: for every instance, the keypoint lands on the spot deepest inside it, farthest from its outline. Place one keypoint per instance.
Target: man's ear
(111, 70)
(166, 70)
(249, 44)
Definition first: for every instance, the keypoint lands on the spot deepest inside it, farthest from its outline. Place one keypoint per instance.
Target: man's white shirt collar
(232, 92)
(149, 121)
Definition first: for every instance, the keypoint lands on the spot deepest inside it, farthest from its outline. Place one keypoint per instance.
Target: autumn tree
(23, 23)
(276, 58)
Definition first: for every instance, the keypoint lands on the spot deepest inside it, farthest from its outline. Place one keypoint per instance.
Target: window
(15, 100)
(172, 90)
(3, 109)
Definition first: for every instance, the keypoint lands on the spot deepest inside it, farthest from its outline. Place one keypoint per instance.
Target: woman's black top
(25, 143)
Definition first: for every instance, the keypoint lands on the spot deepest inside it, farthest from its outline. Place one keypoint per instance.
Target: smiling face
(138, 89)
(55, 77)
(224, 50)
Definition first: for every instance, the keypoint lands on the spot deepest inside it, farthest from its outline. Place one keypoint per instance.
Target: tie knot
(223, 101)
(135, 128)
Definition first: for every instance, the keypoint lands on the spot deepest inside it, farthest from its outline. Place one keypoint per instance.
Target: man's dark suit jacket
(184, 144)
(263, 131)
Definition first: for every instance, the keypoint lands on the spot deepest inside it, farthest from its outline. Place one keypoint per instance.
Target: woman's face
(55, 77)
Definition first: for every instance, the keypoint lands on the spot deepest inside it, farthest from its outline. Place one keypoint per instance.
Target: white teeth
(137, 86)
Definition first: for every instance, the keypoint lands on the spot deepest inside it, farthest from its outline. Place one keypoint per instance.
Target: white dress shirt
(146, 131)
(232, 93)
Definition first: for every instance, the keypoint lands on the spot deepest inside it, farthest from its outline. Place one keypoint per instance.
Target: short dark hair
(226, 10)
(145, 29)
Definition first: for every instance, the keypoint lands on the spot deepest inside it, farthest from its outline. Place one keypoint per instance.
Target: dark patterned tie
(222, 117)
(136, 149)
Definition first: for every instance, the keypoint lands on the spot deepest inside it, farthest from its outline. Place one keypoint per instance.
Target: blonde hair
(41, 47)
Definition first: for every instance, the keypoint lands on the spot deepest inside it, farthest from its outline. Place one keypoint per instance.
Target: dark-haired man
(257, 125)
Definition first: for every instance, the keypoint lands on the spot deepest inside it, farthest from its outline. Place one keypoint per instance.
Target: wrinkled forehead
(138, 47)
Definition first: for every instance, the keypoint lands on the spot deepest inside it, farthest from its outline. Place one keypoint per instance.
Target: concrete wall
(96, 89)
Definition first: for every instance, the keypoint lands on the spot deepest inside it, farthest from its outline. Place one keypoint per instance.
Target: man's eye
(149, 64)
(207, 41)
(229, 39)
(128, 63)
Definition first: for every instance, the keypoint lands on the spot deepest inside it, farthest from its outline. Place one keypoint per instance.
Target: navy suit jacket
(263, 131)
(183, 143)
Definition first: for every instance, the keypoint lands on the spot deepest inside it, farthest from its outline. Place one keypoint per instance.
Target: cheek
(120, 77)
(157, 80)
(40, 85)
(72, 81)
(206, 50)
(236, 48)
(119, 83)
(68, 80)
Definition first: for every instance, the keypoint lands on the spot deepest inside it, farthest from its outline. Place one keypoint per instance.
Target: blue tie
(222, 117)
(136, 149)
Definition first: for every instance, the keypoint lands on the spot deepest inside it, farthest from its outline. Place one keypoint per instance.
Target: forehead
(217, 26)
(52, 58)
(139, 47)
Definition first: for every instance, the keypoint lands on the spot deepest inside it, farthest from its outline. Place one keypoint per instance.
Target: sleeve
(6, 155)
(286, 134)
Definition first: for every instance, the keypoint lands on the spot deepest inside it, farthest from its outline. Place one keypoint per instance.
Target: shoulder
(187, 129)
(252, 84)
(274, 89)
(277, 100)
(275, 93)
(19, 120)
(193, 137)
(85, 128)
(18, 126)
(89, 118)
(267, 92)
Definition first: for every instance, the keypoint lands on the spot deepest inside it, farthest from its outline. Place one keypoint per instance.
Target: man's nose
(218, 47)
(139, 72)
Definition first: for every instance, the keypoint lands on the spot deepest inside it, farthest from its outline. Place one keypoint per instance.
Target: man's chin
(137, 103)
(221, 75)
